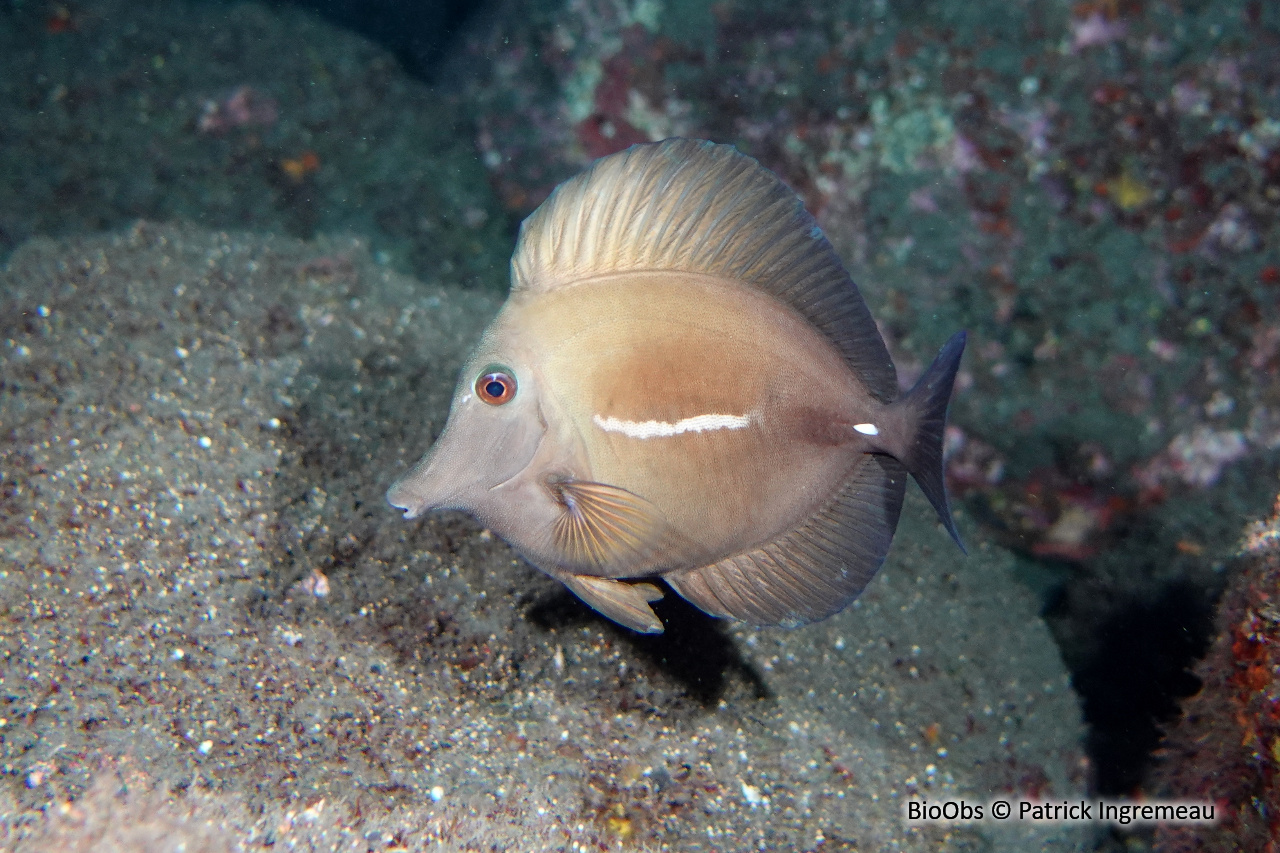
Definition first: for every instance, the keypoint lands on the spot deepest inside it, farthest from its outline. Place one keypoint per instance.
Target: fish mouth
(399, 497)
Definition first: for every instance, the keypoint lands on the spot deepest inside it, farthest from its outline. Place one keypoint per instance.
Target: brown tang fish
(685, 383)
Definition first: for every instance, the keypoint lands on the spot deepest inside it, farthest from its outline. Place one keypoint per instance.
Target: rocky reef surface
(215, 629)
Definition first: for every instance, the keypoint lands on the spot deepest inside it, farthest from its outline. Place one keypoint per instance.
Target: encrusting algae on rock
(685, 383)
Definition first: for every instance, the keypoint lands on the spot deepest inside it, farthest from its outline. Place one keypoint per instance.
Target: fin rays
(599, 523)
(606, 530)
(698, 207)
(817, 568)
(624, 603)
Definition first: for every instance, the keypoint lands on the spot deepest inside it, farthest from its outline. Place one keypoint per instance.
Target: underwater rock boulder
(200, 582)
(1225, 747)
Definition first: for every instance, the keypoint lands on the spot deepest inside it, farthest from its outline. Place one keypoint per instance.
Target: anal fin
(817, 568)
(624, 603)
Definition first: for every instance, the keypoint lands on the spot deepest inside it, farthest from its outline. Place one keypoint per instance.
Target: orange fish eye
(496, 386)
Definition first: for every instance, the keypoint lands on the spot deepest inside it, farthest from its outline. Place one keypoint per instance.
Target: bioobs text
(948, 810)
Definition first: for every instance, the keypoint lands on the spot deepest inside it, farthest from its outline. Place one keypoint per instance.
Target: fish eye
(496, 385)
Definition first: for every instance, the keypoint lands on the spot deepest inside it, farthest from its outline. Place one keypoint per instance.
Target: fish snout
(474, 454)
(426, 486)
(399, 497)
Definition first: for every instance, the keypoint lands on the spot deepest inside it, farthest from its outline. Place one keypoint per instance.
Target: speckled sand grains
(202, 593)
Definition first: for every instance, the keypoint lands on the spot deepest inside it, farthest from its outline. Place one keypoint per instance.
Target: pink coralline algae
(1231, 230)
(965, 155)
(971, 462)
(1226, 746)
(243, 107)
(1196, 458)
(1094, 30)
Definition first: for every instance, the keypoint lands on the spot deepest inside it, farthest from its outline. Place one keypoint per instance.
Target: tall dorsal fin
(692, 206)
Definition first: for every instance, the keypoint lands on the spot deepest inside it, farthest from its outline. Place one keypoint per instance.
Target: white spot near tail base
(867, 429)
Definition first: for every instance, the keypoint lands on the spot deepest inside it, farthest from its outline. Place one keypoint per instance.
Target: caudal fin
(926, 406)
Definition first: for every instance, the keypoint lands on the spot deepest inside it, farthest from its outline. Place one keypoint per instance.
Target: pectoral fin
(606, 530)
(624, 603)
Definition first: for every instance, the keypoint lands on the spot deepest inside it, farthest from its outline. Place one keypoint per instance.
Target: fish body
(685, 383)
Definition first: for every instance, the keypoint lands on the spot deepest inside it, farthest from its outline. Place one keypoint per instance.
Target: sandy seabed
(216, 633)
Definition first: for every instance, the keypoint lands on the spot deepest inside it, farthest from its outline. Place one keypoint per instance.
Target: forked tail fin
(926, 406)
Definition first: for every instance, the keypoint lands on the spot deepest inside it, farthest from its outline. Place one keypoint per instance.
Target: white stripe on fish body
(662, 429)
